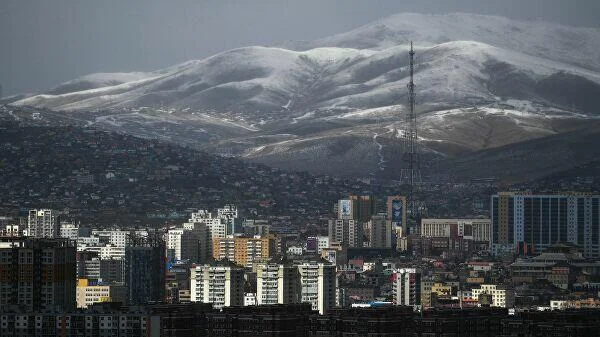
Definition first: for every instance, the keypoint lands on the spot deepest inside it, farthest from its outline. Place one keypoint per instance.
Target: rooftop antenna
(411, 173)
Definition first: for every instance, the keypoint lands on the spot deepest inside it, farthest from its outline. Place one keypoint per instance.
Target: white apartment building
(322, 243)
(42, 223)
(111, 251)
(408, 286)
(277, 284)
(73, 231)
(501, 296)
(318, 285)
(230, 214)
(117, 237)
(84, 241)
(227, 212)
(69, 230)
(11, 230)
(295, 250)
(249, 299)
(223, 286)
(216, 225)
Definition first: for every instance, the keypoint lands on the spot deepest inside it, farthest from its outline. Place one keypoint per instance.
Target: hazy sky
(46, 42)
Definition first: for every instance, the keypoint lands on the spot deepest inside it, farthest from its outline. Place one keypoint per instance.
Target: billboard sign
(345, 208)
(331, 256)
(397, 211)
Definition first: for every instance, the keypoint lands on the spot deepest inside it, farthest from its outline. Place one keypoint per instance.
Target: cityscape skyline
(300, 168)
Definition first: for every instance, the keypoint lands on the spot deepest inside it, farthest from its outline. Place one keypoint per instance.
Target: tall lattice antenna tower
(411, 173)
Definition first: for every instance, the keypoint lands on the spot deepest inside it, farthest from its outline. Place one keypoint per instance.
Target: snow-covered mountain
(571, 45)
(269, 79)
(482, 82)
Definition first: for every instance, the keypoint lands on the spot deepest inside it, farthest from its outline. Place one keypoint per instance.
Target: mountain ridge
(482, 82)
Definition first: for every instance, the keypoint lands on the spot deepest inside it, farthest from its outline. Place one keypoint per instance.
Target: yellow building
(90, 292)
(441, 290)
(245, 251)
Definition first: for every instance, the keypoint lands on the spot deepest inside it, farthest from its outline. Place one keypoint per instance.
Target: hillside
(100, 177)
(483, 82)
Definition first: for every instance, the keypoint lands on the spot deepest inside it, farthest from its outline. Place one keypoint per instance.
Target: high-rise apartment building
(364, 207)
(245, 251)
(378, 230)
(407, 282)
(42, 223)
(216, 225)
(352, 216)
(277, 283)
(145, 268)
(111, 270)
(191, 242)
(230, 214)
(221, 285)
(346, 231)
(37, 273)
(537, 221)
(318, 285)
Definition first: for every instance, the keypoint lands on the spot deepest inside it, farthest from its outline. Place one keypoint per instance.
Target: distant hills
(487, 87)
(108, 178)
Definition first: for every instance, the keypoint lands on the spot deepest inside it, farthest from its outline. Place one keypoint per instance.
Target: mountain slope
(571, 45)
(108, 178)
(271, 79)
(482, 82)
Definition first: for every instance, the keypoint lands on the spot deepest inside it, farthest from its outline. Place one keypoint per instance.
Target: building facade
(346, 231)
(378, 230)
(145, 268)
(318, 285)
(90, 291)
(72, 231)
(502, 297)
(407, 282)
(364, 207)
(456, 235)
(525, 223)
(396, 211)
(191, 242)
(42, 223)
(37, 274)
(221, 285)
(216, 225)
(277, 283)
(245, 251)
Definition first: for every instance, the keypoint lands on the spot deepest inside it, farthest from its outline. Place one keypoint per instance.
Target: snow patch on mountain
(565, 44)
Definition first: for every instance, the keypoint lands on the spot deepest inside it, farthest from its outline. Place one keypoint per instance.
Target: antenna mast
(411, 174)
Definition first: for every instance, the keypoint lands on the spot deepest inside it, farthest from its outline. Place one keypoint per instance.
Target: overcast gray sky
(44, 43)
